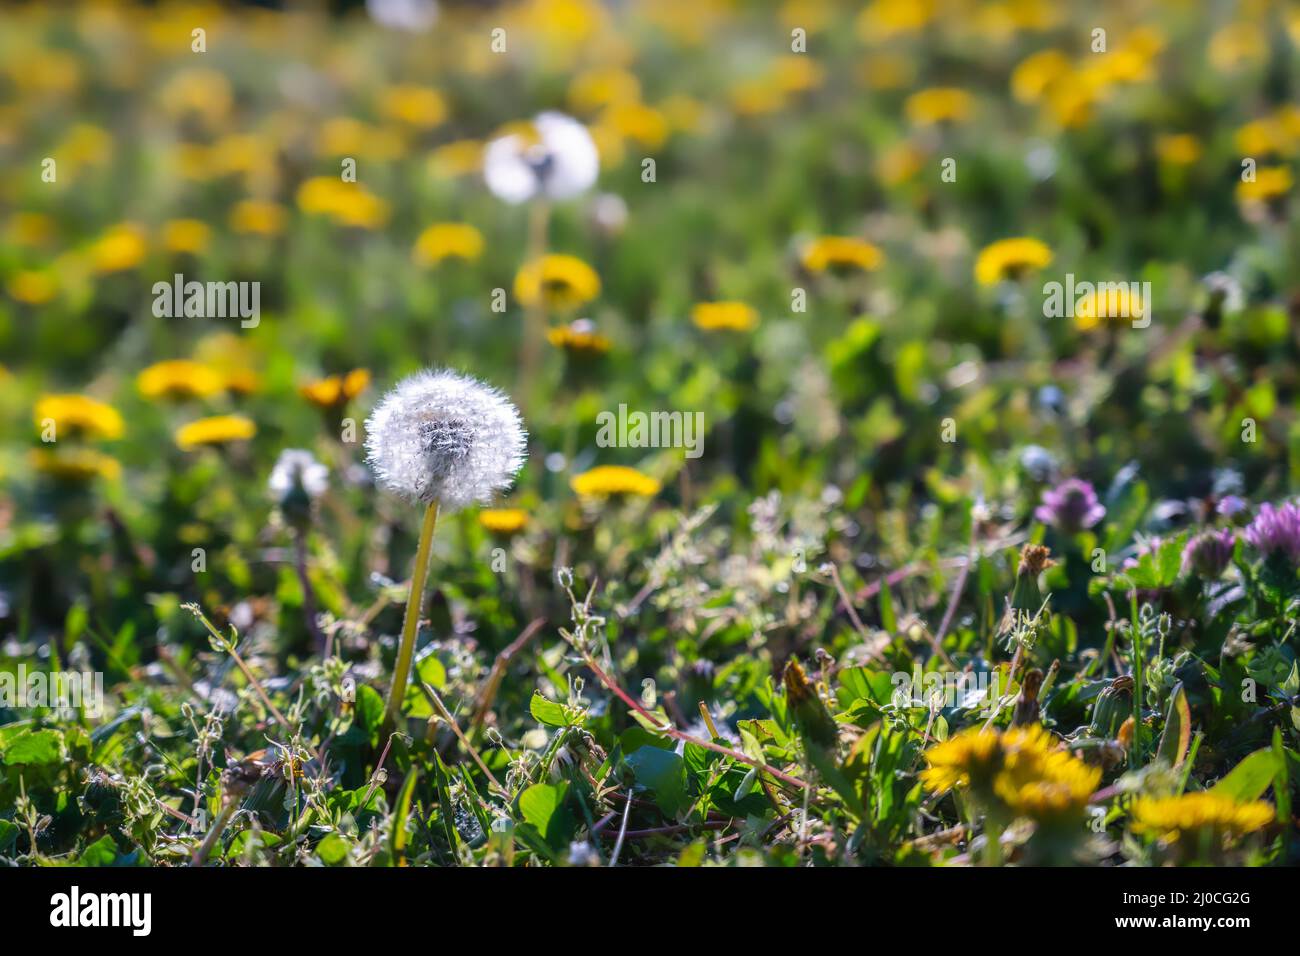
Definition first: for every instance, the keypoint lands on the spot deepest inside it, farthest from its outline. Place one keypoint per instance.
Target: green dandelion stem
(411, 623)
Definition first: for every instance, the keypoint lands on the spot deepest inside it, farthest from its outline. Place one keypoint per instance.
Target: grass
(959, 576)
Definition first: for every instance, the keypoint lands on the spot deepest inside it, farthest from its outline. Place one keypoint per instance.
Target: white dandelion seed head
(442, 436)
(297, 467)
(411, 16)
(561, 164)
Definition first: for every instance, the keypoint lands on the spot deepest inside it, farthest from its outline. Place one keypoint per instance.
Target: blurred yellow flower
(885, 71)
(1115, 302)
(1270, 182)
(884, 19)
(460, 158)
(1197, 813)
(637, 122)
(605, 480)
(558, 281)
(76, 416)
(75, 464)
(797, 73)
(1178, 149)
(1237, 45)
(32, 229)
(348, 204)
(448, 240)
(899, 162)
(257, 217)
(1010, 259)
(731, 316)
(179, 379)
(579, 338)
(596, 88)
(336, 390)
(972, 756)
(841, 253)
(215, 430)
(757, 98)
(37, 70)
(189, 236)
(416, 106)
(201, 92)
(32, 287)
(1037, 73)
(940, 104)
(504, 521)
(346, 136)
(122, 247)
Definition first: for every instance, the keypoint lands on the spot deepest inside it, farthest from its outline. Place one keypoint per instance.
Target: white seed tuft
(442, 436)
(562, 163)
(296, 466)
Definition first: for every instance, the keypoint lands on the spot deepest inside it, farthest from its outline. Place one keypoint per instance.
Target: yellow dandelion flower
(1037, 73)
(503, 521)
(729, 316)
(179, 379)
(898, 163)
(464, 157)
(348, 204)
(757, 98)
(257, 217)
(1178, 149)
(579, 338)
(1171, 817)
(972, 755)
(32, 287)
(189, 236)
(32, 229)
(885, 71)
(636, 121)
(840, 254)
(884, 19)
(215, 430)
(1260, 138)
(336, 390)
(1110, 301)
(1041, 781)
(416, 106)
(940, 104)
(1010, 259)
(558, 281)
(1270, 183)
(597, 88)
(797, 73)
(122, 247)
(1237, 45)
(75, 416)
(606, 480)
(448, 240)
(75, 465)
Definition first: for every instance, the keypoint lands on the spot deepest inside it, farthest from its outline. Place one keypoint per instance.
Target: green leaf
(370, 710)
(8, 835)
(1178, 729)
(663, 773)
(547, 711)
(332, 850)
(1250, 778)
(887, 620)
(542, 807)
(103, 852)
(35, 748)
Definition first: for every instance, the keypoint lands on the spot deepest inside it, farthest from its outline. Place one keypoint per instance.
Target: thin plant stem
(676, 734)
(539, 219)
(308, 594)
(411, 623)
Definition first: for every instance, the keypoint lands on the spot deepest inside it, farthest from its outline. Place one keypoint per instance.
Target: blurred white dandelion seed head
(412, 16)
(297, 467)
(442, 436)
(560, 163)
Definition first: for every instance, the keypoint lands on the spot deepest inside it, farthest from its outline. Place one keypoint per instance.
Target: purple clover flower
(1276, 529)
(1071, 507)
(1207, 554)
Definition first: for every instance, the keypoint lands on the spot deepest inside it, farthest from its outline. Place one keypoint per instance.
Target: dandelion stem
(411, 623)
(539, 218)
